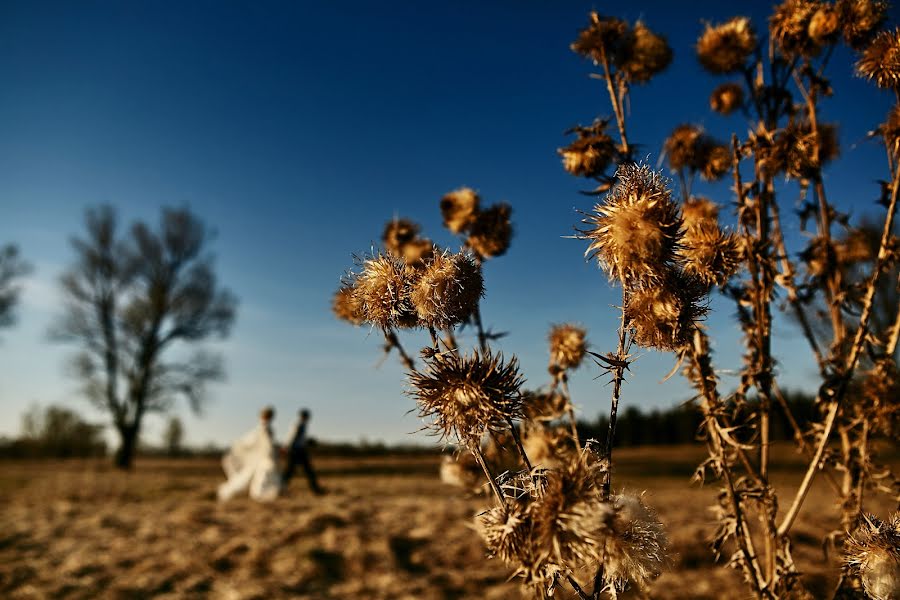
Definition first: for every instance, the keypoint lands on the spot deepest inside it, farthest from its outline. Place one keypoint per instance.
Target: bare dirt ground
(387, 529)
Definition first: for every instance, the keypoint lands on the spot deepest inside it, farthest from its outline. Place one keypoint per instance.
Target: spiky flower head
(798, 151)
(650, 54)
(397, 233)
(717, 160)
(447, 290)
(682, 148)
(417, 253)
(606, 38)
(664, 315)
(725, 48)
(634, 231)
(567, 346)
(689, 148)
(468, 395)
(548, 445)
(881, 60)
(635, 549)
(491, 232)
(698, 210)
(789, 26)
(825, 24)
(709, 254)
(459, 209)
(345, 305)
(382, 291)
(544, 406)
(727, 98)
(861, 20)
(592, 153)
(872, 552)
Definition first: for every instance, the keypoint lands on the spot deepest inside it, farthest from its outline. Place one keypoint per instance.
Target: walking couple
(252, 462)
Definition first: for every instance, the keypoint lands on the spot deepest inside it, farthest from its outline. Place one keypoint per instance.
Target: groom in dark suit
(298, 455)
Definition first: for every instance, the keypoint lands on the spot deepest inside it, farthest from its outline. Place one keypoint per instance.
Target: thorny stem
(434, 339)
(762, 375)
(891, 346)
(699, 355)
(798, 434)
(614, 99)
(390, 337)
(519, 447)
(618, 376)
(482, 338)
(787, 273)
(836, 389)
(475, 449)
(564, 385)
(577, 588)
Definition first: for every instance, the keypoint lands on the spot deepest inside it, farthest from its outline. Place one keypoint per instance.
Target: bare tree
(136, 304)
(12, 267)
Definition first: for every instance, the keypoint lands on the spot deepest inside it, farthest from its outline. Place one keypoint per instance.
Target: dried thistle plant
(555, 519)
(873, 554)
(466, 396)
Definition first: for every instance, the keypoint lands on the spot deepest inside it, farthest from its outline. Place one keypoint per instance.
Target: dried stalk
(836, 389)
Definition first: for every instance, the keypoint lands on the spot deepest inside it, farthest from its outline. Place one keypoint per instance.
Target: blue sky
(296, 129)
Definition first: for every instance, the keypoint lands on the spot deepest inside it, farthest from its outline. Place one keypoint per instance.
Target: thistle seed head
(567, 346)
(792, 151)
(398, 233)
(689, 148)
(467, 396)
(491, 232)
(459, 209)
(633, 233)
(548, 445)
(790, 24)
(861, 20)
(650, 54)
(706, 252)
(345, 305)
(664, 315)
(607, 37)
(544, 406)
(717, 160)
(881, 60)
(447, 290)
(417, 253)
(726, 48)
(872, 551)
(592, 153)
(636, 546)
(382, 291)
(727, 98)
(698, 211)
(709, 254)
(825, 24)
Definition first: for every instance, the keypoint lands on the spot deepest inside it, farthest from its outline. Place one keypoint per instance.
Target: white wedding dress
(252, 463)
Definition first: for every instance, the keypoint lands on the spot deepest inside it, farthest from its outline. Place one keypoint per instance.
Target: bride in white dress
(252, 463)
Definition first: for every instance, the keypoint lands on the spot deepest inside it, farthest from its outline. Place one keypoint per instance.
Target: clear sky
(296, 129)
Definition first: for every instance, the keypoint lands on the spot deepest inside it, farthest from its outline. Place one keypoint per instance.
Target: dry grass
(387, 529)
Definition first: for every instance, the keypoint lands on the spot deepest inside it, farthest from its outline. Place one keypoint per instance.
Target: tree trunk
(124, 456)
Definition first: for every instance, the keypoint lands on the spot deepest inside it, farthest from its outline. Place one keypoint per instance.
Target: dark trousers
(299, 456)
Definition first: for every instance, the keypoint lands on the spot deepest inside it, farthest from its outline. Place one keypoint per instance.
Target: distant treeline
(55, 432)
(682, 424)
(58, 432)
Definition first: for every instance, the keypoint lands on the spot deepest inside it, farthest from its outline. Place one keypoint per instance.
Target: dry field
(387, 529)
